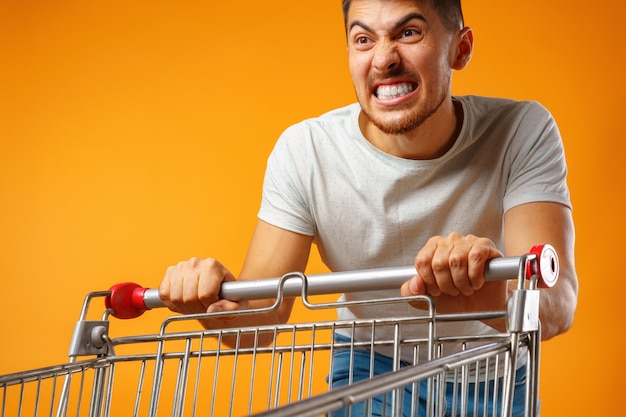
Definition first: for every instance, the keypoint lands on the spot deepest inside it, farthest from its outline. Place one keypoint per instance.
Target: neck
(431, 140)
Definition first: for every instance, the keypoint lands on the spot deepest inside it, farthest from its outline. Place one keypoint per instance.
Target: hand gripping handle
(129, 300)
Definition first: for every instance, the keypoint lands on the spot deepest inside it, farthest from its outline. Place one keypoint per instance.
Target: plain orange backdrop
(134, 135)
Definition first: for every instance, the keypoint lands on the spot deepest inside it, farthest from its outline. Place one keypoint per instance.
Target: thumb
(414, 286)
(226, 305)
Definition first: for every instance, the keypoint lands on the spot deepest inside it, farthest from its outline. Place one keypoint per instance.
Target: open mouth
(392, 91)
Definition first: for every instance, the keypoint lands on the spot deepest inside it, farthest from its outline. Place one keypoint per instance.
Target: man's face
(400, 61)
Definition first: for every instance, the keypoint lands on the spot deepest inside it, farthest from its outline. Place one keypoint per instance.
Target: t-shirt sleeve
(537, 160)
(284, 201)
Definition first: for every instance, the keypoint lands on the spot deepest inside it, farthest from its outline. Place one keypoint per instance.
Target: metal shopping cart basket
(188, 372)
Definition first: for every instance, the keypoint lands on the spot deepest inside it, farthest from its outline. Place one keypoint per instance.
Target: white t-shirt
(368, 209)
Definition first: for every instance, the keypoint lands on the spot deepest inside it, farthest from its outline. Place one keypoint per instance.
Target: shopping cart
(181, 371)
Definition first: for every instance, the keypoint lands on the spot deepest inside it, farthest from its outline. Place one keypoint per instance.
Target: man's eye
(361, 40)
(409, 32)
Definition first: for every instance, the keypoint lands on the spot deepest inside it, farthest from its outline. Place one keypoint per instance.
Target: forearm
(550, 223)
(273, 252)
(557, 306)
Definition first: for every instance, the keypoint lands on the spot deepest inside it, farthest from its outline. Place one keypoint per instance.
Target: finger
(414, 286)
(423, 266)
(226, 305)
(458, 267)
(185, 288)
(222, 306)
(164, 288)
(170, 289)
(210, 278)
(478, 256)
(441, 265)
(442, 272)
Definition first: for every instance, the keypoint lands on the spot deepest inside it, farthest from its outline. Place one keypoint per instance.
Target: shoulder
(326, 130)
(483, 108)
(338, 119)
(499, 118)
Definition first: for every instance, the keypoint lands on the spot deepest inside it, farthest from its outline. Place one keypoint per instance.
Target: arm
(551, 223)
(450, 269)
(193, 286)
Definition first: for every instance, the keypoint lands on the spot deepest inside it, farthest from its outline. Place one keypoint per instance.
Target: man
(409, 174)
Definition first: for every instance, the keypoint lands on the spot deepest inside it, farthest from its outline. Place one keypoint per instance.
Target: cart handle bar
(129, 300)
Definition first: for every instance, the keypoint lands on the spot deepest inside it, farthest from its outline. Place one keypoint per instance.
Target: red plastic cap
(126, 300)
(547, 265)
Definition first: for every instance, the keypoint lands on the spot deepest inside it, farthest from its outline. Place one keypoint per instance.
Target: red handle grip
(126, 300)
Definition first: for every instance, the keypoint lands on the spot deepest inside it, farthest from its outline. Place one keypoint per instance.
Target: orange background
(134, 135)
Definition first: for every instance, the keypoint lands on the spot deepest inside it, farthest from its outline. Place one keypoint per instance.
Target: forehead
(387, 13)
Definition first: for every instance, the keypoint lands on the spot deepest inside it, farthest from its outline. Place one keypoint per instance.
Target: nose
(386, 56)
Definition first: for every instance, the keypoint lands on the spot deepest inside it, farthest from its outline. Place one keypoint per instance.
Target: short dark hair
(449, 11)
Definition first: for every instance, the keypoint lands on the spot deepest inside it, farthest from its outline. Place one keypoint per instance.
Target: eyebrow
(398, 24)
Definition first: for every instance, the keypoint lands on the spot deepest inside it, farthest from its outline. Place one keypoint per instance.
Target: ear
(464, 48)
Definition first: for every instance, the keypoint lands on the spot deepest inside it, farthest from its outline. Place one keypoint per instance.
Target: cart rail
(130, 300)
(192, 372)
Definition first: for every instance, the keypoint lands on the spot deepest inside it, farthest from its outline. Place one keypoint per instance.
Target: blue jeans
(382, 405)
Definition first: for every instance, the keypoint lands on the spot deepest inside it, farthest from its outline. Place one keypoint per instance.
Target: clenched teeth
(386, 92)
